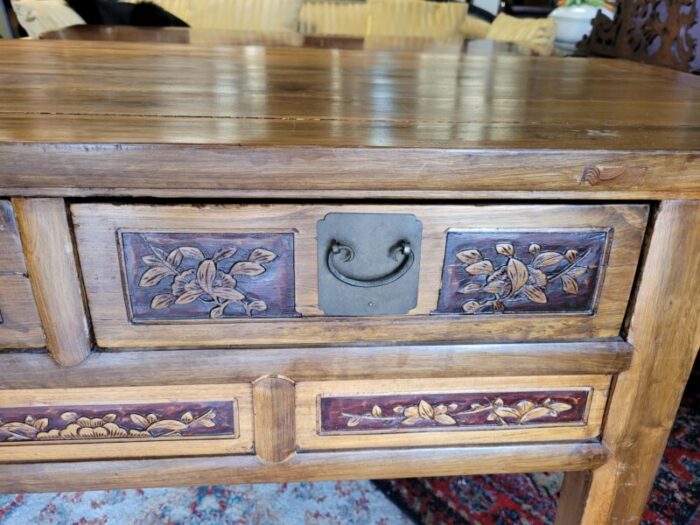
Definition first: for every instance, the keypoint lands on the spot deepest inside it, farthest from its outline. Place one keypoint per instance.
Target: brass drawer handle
(402, 248)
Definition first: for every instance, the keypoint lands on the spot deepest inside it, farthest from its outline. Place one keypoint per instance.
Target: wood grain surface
(665, 332)
(53, 273)
(96, 227)
(171, 120)
(201, 365)
(358, 464)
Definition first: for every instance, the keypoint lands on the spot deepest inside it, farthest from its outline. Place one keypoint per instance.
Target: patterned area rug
(530, 499)
(332, 503)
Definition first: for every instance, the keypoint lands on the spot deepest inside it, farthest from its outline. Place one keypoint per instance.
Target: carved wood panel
(660, 32)
(118, 422)
(189, 276)
(408, 413)
(522, 272)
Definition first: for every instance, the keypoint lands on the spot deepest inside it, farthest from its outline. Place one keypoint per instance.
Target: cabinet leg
(665, 333)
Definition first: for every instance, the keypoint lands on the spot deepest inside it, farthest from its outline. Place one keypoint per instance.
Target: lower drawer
(133, 422)
(429, 412)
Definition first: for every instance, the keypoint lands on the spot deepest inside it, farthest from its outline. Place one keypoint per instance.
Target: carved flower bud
(571, 255)
(534, 249)
(471, 307)
(505, 249)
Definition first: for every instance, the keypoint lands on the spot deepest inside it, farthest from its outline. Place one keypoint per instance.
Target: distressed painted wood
(189, 276)
(410, 413)
(456, 411)
(97, 227)
(53, 272)
(125, 422)
(523, 272)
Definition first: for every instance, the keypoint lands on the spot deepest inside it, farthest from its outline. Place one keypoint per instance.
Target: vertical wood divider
(53, 273)
(273, 405)
(665, 333)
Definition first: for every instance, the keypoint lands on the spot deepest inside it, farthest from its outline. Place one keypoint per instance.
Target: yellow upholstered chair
(415, 18)
(333, 18)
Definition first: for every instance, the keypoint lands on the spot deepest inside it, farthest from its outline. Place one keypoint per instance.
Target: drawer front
(249, 275)
(419, 412)
(133, 422)
(19, 322)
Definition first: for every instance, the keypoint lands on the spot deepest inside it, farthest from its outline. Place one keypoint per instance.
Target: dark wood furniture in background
(162, 263)
(661, 32)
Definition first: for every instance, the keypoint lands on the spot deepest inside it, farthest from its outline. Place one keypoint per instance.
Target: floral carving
(494, 285)
(79, 427)
(449, 414)
(210, 279)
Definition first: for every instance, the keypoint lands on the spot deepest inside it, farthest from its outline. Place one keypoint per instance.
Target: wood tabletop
(168, 119)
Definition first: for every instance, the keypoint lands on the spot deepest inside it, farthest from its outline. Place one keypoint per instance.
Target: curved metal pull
(403, 247)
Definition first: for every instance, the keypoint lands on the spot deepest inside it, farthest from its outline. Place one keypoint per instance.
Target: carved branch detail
(449, 414)
(197, 277)
(79, 427)
(495, 286)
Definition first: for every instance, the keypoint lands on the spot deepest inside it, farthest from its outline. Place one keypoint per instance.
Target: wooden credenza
(248, 264)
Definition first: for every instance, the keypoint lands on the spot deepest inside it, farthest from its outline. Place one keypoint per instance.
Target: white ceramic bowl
(573, 23)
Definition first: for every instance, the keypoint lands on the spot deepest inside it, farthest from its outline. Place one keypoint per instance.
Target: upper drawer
(19, 322)
(249, 275)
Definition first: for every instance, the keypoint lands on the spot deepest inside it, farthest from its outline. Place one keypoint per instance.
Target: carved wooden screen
(660, 32)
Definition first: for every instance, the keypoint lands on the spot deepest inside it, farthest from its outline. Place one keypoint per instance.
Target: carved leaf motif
(41, 424)
(190, 251)
(224, 253)
(469, 256)
(537, 413)
(206, 273)
(411, 411)
(505, 249)
(444, 419)
(217, 312)
(166, 425)
(497, 287)
(188, 297)
(162, 301)
(175, 257)
(517, 273)
(139, 420)
(536, 295)
(469, 288)
(353, 421)
(69, 416)
(534, 249)
(150, 260)
(569, 284)
(187, 418)
(560, 407)
(480, 268)
(577, 271)
(411, 420)
(256, 306)
(260, 255)
(471, 307)
(538, 277)
(425, 410)
(377, 411)
(228, 294)
(248, 268)
(154, 275)
(546, 259)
